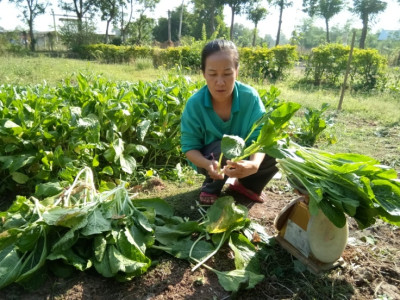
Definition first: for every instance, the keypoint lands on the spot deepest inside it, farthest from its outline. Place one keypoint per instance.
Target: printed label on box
(296, 236)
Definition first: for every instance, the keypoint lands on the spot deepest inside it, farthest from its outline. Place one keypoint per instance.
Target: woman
(224, 106)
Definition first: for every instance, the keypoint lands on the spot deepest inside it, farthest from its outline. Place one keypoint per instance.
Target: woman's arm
(211, 166)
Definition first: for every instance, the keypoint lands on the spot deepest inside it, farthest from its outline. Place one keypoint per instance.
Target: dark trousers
(255, 182)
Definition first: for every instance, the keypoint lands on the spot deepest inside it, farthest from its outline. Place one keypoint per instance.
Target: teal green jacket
(201, 126)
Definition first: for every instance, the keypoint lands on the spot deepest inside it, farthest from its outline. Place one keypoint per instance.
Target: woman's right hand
(213, 170)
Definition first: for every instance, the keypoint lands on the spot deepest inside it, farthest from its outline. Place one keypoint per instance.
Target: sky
(292, 16)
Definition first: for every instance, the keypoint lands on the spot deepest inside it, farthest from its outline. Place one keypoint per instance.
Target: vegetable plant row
(117, 129)
(80, 228)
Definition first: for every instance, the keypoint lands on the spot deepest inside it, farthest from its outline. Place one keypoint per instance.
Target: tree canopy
(323, 8)
(256, 15)
(367, 10)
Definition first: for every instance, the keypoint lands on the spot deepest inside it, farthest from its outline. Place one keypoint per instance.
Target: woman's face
(220, 74)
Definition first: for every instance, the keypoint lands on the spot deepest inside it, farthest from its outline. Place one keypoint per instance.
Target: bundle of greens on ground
(80, 228)
(223, 221)
(338, 184)
(343, 183)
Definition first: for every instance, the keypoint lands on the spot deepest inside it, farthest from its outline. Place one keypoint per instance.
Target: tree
(30, 10)
(308, 36)
(143, 5)
(323, 8)
(367, 10)
(80, 8)
(160, 31)
(109, 11)
(209, 13)
(236, 8)
(242, 35)
(282, 4)
(140, 30)
(256, 15)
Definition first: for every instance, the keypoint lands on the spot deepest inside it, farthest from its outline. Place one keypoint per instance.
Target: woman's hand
(241, 169)
(244, 168)
(213, 170)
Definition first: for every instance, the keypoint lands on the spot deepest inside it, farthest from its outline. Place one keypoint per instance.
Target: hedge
(269, 63)
(327, 64)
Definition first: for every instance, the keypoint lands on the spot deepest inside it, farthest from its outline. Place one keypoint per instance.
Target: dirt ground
(371, 268)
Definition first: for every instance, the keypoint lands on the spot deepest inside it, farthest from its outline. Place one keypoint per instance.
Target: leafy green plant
(223, 221)
(343, 183)
(79, 228)
(338, 184)
(271, 130)
(311, 126)
(114, 128)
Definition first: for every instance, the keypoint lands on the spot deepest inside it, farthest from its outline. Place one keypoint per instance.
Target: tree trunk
(122, 23)
(364, 32)
(255, 35)
(30, 23)
(139, 39)
(125, 26)
(32, 37)
(278, 35)
(232, 22)
(79, 15)
(327, 30)
(212, 17)
(108, 25)
(180, 23)
(169, 26)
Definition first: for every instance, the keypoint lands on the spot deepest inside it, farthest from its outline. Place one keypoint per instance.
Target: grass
(34, 70)
(369, 123)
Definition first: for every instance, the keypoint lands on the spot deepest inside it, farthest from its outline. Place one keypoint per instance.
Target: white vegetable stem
(211, 254)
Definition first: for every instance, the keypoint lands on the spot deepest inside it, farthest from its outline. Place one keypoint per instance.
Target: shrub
(327, 65)
(267, 63)
(185, 57)
(367, 69)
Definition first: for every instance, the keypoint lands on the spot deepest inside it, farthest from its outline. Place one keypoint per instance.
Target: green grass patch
(34, 70)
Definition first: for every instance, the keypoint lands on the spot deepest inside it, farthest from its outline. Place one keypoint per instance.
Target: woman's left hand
(241, 169)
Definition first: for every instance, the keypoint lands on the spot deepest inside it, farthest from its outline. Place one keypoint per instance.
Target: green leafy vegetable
(81, 228)
(232, 146)
(343, 183)
(271, 127)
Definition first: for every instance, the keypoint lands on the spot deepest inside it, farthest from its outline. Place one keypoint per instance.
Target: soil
(371, 268)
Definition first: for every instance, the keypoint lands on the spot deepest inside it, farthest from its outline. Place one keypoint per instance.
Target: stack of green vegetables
(80, 228)
(338, 184)
(344, 183)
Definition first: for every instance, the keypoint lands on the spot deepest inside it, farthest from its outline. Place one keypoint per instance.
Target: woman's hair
(217, 46)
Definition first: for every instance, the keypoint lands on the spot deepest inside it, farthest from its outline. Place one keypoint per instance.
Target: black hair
(216, 46)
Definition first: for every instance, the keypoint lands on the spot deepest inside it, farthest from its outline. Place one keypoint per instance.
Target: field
(368, 124)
